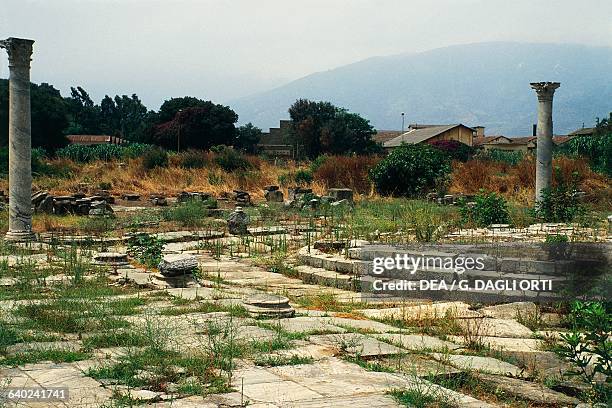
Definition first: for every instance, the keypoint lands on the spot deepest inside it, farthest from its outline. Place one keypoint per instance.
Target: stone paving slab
(529, 391)
(418, 342)
(314, 351)
(306, 324)
(509, 310)
(495, 327)
(478, 363)
(84, 392)
(366, 325)
(506, 344)
(424, 311)
(356, 344)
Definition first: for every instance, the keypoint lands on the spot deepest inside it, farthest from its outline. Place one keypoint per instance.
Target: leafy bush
(455, 149)
(410, 170)
(556, 239)
(155, 157)
(191, 213)
(588, 346)
(597, 149)
(193, 159)
(39, 164)
(318, 162)
(229, 159)
(489, 208)
(502, 156)
(559, 203)
(146, 249)
(303, 176)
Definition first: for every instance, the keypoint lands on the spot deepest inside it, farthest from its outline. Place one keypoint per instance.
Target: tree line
(183, 123)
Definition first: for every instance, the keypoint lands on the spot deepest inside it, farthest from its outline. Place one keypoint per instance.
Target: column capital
(19, 51)
(545, 90)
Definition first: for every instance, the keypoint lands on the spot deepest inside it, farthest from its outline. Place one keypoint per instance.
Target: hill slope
(477, 84)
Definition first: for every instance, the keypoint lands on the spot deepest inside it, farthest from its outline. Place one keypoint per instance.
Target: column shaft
(544, 147)
(20, 140)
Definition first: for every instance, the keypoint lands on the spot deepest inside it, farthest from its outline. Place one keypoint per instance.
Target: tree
(410, 170)
(320, 127)
(125, 116)
(83, 113)
(169, 108)
(49, 116)
(247, 137)
(198, 127)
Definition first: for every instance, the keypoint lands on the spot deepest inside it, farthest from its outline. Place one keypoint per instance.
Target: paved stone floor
(331, 342)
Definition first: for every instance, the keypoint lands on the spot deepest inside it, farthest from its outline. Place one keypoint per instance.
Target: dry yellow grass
(130, 176)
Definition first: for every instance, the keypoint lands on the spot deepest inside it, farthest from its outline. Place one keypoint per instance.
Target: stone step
(522, 250)
(528, 391)
(449, 276)
(489, 263)
(324, 277)
(438, 292)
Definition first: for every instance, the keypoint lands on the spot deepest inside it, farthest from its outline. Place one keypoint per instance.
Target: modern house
(431, 133)
(383, 136)
(583, 132)
(490, 142)
(94, 139)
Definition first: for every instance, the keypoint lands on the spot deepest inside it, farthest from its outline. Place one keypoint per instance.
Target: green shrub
(318, 162)
(191, 213)
(410, 170)
(588, 347)
(155, 157)
(303, 176)
(556, 239)
(560, 203)
(455, 149)
(146, 249)
(39, 165)
(503, 156)
(229, 159)
(489, 208)
(597, 149)
(193, 159)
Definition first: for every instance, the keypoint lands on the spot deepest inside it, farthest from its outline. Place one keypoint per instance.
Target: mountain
(483, 84)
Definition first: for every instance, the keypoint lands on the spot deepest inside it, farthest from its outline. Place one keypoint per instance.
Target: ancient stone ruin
(545, 92)
(20, 139)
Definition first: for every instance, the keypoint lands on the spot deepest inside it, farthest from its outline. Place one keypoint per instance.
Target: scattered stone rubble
(77, 204)
(238, 221)
(299, 197)
(273, 194)
(242, 197)
(173, 265)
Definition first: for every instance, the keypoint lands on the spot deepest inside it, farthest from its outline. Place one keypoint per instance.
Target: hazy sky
(221, 50)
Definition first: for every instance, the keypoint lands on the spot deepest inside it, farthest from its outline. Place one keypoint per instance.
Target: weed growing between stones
(422, 395)
(275, 361)
(54, 355)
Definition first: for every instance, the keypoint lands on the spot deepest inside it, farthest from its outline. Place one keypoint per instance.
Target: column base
(20, 236)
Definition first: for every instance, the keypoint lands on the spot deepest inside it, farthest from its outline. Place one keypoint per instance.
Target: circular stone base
(20, 236)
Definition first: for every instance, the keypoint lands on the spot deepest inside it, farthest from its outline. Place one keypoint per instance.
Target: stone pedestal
(20, 141)
(545, 92)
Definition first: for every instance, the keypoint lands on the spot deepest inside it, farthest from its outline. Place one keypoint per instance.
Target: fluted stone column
(20, 139)
(545, 92)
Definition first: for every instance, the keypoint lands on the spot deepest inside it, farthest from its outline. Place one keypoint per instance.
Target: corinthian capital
(19, 51)
(545, 90)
